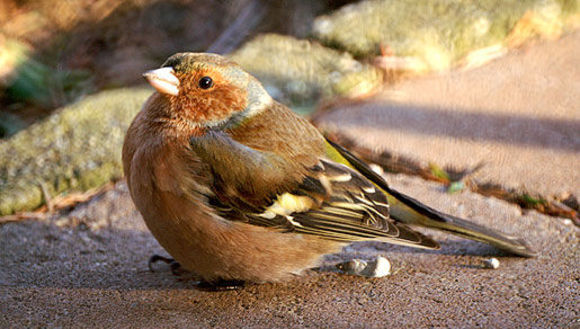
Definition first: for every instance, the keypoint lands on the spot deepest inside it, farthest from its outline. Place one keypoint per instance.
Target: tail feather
(410, 211)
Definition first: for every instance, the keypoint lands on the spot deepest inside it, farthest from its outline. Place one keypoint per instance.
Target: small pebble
(353, 266)
(491, 263)
(567, 221)
(62, 222)
(378, 268)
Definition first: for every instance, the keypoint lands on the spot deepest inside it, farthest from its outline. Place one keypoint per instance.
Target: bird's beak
(164, 80)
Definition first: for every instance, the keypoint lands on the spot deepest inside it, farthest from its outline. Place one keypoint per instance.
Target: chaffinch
(235, 186)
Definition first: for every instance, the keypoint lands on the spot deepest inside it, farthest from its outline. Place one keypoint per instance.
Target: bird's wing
(352, 209)
(325, 199)
(410, 211)
(333, 202)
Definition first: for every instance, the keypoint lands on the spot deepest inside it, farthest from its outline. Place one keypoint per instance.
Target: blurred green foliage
(33, 82)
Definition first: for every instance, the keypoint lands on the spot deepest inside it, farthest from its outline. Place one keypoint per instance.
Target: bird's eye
(205, 83)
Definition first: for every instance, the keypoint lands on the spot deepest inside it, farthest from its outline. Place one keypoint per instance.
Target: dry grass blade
(60, 202)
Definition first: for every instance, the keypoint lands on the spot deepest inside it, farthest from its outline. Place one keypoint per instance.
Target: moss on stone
(75, 149)
(439, 32)
(300, 72)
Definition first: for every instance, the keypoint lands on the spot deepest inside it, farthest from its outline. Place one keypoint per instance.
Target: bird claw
(221, 285)
(177, 270)
(173, 264)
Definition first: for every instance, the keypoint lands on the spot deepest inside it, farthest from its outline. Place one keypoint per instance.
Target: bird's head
(208, 90)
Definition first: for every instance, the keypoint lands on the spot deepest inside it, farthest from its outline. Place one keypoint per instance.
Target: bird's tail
(410, 211)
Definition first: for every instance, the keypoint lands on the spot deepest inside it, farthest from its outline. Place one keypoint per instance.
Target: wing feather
(333, 202)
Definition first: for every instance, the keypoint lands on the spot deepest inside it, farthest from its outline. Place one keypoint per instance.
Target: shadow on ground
(479, 125)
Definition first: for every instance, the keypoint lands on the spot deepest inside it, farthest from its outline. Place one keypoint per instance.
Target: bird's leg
(221, 285)
(173, 264)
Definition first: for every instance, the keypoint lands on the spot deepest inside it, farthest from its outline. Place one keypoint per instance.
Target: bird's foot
(175, 267)
(177, 270)
(221, 285)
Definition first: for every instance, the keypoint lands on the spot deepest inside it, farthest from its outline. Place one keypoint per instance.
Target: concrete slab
(88, 269)
(520, 115)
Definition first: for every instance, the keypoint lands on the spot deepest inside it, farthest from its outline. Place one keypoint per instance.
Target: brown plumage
(235, 186)
(171, 187)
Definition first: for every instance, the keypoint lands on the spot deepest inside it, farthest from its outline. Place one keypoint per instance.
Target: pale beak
(164, 80)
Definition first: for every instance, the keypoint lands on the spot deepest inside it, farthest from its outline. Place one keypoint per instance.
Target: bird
(237, 188)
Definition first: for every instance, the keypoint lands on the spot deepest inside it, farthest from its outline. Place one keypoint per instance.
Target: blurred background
(54, 53)
(70, 78)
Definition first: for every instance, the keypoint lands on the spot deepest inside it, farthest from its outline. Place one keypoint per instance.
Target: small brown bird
(235, 186)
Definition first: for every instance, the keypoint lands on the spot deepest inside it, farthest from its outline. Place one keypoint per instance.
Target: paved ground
(519, 114)
(88, 268)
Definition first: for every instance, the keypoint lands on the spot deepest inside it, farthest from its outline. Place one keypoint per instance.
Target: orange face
(207, 97)
(203, 90)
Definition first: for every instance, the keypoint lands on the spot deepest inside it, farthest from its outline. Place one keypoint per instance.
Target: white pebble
(491, 263)
(378, 268)
(567, 221)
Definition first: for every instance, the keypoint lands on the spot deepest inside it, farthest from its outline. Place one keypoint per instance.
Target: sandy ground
(89, 269)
